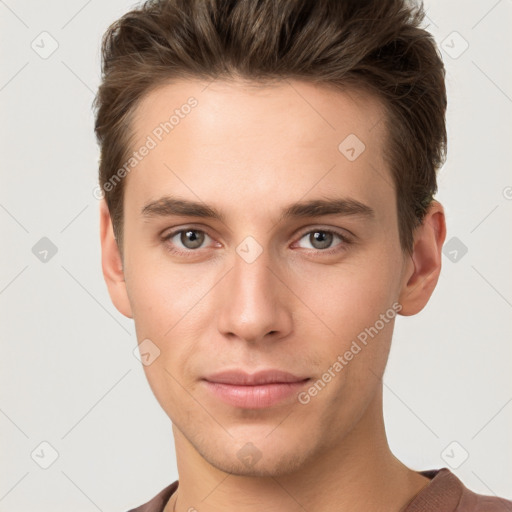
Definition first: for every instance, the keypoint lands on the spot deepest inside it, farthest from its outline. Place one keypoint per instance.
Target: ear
(424, 265)
(112, 264)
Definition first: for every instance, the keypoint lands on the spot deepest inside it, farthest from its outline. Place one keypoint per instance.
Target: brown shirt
(445, 493)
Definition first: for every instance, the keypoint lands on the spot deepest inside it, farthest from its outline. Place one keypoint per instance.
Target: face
(262, 285)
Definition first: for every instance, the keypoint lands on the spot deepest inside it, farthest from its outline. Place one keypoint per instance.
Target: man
(269, 170)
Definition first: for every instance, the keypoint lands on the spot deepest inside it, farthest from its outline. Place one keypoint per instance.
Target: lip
(254, 391)
(241, 378)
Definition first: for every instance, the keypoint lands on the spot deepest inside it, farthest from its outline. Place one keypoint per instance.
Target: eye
(322, 240)
(189, 239)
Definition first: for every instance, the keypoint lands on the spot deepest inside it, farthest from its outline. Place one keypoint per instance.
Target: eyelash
(345, 241)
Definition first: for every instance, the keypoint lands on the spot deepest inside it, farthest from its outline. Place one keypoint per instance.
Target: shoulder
(447, 493)
(158, 502)
(473, 502)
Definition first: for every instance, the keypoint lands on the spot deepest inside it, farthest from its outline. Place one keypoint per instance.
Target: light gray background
(68, 375)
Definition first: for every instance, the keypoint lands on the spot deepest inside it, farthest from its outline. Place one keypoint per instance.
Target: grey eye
(323, 238)
(191, 238)
(320, 239)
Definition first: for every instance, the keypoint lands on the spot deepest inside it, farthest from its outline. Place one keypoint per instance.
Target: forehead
(244, 106)
(243, 138)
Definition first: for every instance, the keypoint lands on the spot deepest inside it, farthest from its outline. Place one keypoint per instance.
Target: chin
(271, 464)
(257, 453)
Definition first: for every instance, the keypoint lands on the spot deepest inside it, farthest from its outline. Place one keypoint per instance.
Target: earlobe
(425, 261)
(112, 265)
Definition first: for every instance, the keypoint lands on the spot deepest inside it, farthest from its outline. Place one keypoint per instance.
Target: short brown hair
(376, 45)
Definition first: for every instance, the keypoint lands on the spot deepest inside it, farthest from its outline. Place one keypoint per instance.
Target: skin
(250, 152)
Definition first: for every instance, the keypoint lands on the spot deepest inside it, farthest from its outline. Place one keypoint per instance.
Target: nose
(254, 302)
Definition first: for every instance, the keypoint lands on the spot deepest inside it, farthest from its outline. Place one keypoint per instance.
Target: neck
(358, 474)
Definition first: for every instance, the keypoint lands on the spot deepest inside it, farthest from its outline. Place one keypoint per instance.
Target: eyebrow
(167, 206)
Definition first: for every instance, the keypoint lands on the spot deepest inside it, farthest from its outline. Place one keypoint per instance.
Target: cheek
(350, 295)
(348, 302)
(163, 294)
(172, 308)
(166, 384)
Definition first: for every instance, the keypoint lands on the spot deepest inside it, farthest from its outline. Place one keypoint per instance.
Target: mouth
(254, 391)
